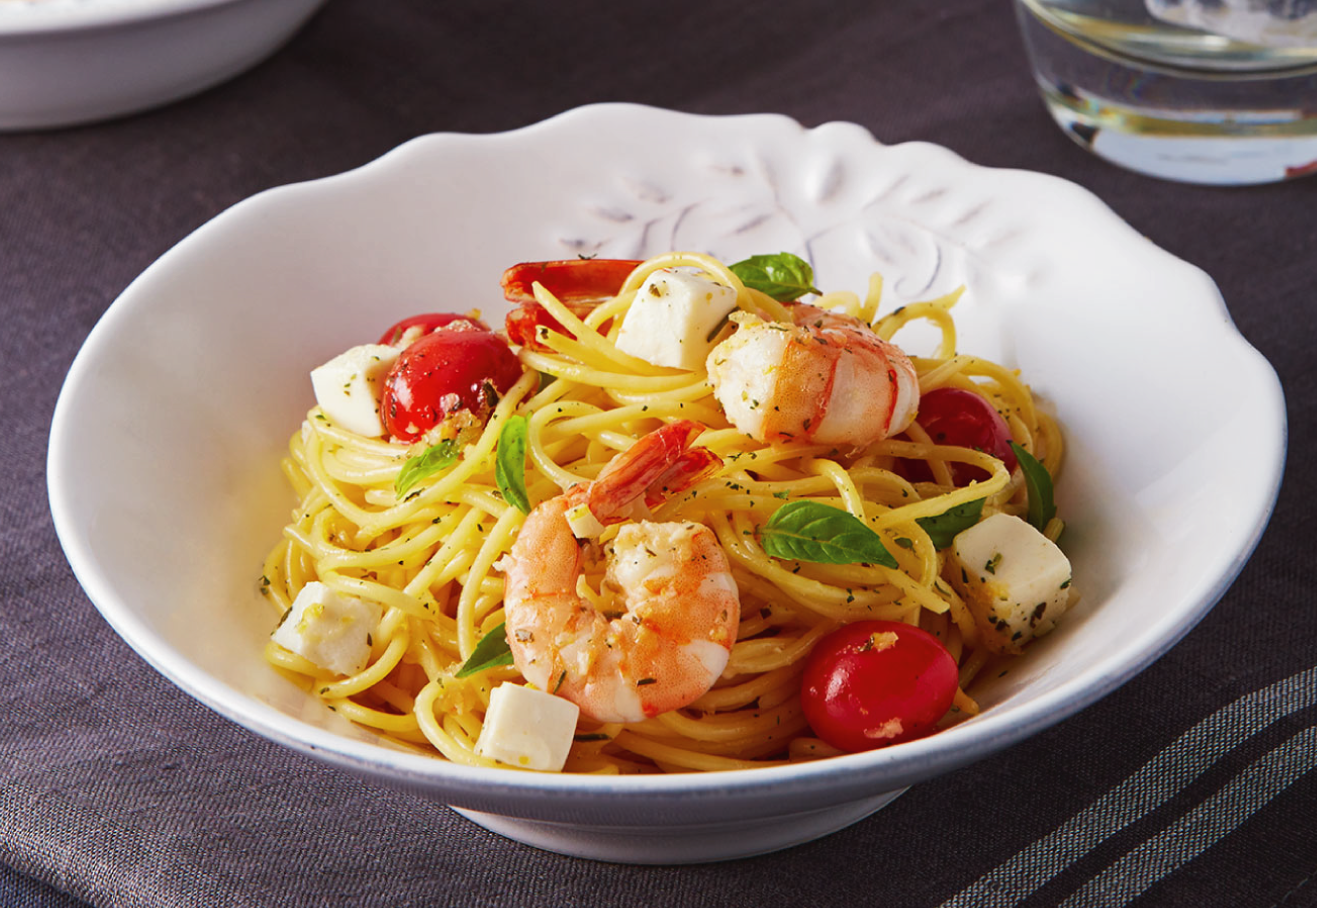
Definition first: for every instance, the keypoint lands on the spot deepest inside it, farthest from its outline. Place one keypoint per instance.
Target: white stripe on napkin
(1201, 827)
(1156, 782)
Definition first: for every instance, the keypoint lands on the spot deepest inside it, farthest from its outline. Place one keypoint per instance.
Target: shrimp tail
(693, 465)
(642, 470)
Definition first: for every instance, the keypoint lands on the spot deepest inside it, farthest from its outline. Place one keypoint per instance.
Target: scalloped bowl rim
(519, 793)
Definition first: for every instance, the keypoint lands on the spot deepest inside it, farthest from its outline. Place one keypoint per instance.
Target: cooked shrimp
(681, 604)
(827, 378)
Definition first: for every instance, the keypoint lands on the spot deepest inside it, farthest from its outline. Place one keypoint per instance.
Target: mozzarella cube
(348, 387)
(583, 523)
(673, 314)
(528, 728)
(1014, 579)
(329, 629)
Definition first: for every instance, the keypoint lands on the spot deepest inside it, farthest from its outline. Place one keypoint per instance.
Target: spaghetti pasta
(432, 559)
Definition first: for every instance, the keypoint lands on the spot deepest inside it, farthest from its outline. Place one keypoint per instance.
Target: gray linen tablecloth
(117, 789)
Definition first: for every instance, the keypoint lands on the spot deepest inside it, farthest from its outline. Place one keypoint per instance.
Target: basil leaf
(1042, 507)
(810, 531)
(942, 528)
(784, 276)
(510, 463)
(434, 459)
(490, 652)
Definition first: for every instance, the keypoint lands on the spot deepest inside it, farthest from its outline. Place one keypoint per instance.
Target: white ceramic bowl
(64, 62)
(166, 490)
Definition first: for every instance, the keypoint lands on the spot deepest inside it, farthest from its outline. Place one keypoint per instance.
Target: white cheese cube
(1014, 579)
(528, 728)
(348, 387)
(583, 523)
(329, 629)
(673, 314)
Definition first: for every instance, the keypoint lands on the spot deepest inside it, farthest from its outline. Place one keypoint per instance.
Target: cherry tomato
(573, 280)
(954, 416)
(579, 284)
(448, 370)
(428, 322)
(874, 683)
(523, 322)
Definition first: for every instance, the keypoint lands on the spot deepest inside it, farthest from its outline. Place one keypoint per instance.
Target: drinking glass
(1201, 91)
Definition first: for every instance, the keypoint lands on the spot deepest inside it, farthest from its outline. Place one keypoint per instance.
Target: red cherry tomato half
(572, 280)
(579, 284)
(954, 416)
(523, 323)
(448, 370)
(430, 321)
(874, 683)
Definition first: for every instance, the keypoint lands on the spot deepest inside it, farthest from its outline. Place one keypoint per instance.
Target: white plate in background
(64, 62)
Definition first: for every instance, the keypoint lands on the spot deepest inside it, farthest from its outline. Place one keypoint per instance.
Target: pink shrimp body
(681, 604)
(828, 378)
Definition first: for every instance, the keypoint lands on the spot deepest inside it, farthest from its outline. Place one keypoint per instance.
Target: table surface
(162, 802)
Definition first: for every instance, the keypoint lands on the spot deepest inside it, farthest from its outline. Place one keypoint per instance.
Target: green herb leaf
(784, 276)
(435, 458)
(491, 651)
(810, 531)
(1042, 507)
(942, 528)
(510, 463)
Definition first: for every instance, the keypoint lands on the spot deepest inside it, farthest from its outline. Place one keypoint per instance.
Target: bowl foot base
(693, 844)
